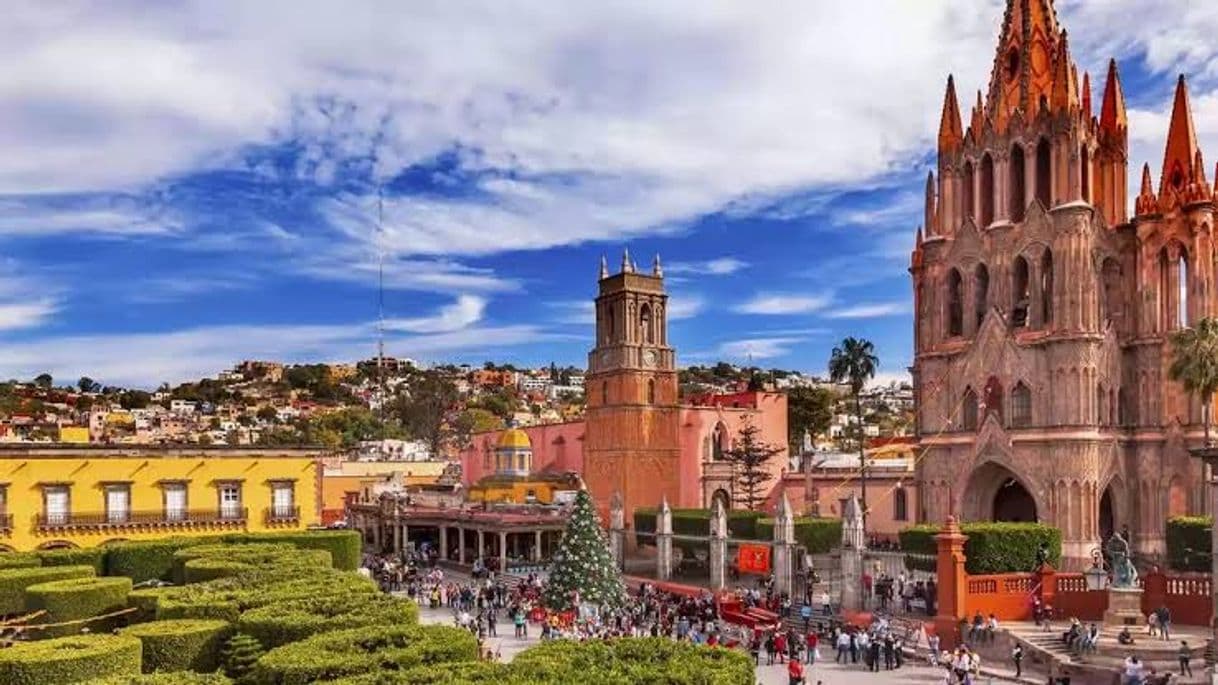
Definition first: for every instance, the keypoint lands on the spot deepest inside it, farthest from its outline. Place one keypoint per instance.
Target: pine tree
(583, 564)
(238, 656)
(748, 456)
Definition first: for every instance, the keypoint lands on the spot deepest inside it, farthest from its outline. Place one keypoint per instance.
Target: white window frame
(175, 513)
(57, 518)
(117, 514)
(230, 509)
(280, 509)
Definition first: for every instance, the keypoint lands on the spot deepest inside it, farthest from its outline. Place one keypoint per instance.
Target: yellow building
(64, 495)
(513, 481)
(77, 435)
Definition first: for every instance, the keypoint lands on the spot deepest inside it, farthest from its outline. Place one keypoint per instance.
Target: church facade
(1044, 310)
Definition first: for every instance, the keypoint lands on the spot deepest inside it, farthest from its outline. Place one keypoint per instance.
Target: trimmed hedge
(88, 556)
(73, 659)
(345, 546)
(740, 524)
(14, 581)
(218, 608)
(19, 560)
(148, 560)
(991, 547)
(289, 621)
(202, 570)
(181, 678)
(1188, 543)
(181, 645)
(817, 535)
(74, 599)
(638, 660)
(330, 656)
(456, 673)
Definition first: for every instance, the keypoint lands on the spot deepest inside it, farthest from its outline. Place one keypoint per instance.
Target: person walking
(1164, 622)
(843, 648)
(805, 612)
(812, 641)
(1186, 655)
(795, 672)
(1017, 659)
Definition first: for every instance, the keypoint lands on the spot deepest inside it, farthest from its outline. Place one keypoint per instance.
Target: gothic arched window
(1018, 197)
(1044, 166)
(651, 391)
(987, 190)
(1046, 288)
(1110, 277)
(1019, 292)
(968, 410)
(969, 204)
(1021, 406)
(955, 304)
(604, 393)
(1085, 171)
(1182, 286)
(718, 438)
(900, 505)
(648, 336)
(981, 291)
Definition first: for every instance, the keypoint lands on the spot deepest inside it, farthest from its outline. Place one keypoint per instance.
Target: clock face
(606, 357)
(649, 358)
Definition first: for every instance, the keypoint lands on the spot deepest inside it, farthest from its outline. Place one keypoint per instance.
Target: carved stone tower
(632, 438)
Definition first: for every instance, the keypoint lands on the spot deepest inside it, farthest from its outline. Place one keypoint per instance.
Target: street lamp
(1097, 576)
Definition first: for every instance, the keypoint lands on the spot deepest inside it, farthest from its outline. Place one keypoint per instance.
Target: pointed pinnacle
(1087, 95)
(656, 269)
(604, 268)
(627, 265)
(1112, 111)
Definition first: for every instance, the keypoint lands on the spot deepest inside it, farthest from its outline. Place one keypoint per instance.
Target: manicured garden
(990, 548)
(278, 610)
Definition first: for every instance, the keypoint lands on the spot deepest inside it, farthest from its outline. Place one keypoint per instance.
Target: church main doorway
(1013, 502)
(995, 493)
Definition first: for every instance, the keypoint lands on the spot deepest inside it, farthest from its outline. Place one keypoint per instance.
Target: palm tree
(1195, 364)
(854, 362)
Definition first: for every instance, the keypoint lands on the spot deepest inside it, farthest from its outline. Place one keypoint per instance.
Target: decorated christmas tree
(583, 571)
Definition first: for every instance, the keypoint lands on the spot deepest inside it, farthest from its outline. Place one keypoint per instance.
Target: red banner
(753, 558)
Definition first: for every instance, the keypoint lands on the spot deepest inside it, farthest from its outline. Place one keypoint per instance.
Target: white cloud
(758, 348)
(14, 315)
(720, 266)
(466, 311)
(870, 311)
(685, 306)
(780, 304)
(582, 312)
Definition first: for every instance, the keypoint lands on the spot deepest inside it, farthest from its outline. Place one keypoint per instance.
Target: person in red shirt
(780, 646)
(812, 640)
(795, 671)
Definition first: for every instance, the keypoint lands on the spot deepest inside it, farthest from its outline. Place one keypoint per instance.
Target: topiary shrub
(182, 644)
(218, 608)
(19, 560)
(88, 556)
(1188, 543)
(150, 559)
(330, 656)
(635, 660)
(278, 557)
(77, 598)
(991, 547)
(239, 655)
(817, 535)
(14, 581)
(289, 621)
(456, 673)
(180, 678)
(202, 570)
(345, 546)
(73, 659)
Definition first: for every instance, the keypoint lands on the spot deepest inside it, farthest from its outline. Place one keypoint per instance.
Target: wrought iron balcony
(6, 524)
(133, 519)
(282, 514)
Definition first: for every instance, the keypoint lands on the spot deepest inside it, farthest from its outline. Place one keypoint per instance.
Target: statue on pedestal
(1124, 575)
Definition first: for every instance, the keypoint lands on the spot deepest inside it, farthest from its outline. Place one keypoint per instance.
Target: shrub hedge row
(740, 524)
(344, 546)
(181, 645)
(179, 678)
(73, 659)
(293, 620)
(1188, 543)
(818, 535)
(643, 660)
(19, 560)
(14, 581)
(147, 560)
(88, 556)
(991, 547)
(74, 599)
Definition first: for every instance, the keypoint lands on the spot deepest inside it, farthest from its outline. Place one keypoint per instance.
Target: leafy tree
(855, 362)
(1195, 364)
(809, 409)
(583, 565)
(481, 420)
(432, 412)
(43, 380)
(134, 399)
(87, 384)
(267, 414)
(748, 457)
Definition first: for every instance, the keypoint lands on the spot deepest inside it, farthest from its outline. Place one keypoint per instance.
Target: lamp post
(1097, 575)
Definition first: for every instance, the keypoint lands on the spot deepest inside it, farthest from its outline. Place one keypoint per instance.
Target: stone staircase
(1102, 666)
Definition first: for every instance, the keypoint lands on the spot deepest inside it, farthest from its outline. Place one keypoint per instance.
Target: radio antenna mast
(380, 311)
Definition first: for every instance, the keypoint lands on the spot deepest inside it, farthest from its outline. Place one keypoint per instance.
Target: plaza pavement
(826, 673)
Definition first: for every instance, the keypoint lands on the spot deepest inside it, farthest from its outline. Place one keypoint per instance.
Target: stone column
(664, 541)
(443, 543)
(377, 529)
(537, 545)
(478, 553)
(405, 535)
(853, 547)
(460, 545)
(784, 546)
(617, 530)
(502, 551)
(952, 583)
(718, 546)
(397, 535)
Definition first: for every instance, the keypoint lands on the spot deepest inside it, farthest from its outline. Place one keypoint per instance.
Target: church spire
(1181, 150)
(1063, 95)
(929, 211)
(604, 268)
(1087, 95)
(627, 265)
(656, 269)
(1019, 79)
(950, 132)
(1146, 202)
(1112, 112)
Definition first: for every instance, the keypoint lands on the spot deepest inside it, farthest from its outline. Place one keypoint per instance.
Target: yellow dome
(514, 438)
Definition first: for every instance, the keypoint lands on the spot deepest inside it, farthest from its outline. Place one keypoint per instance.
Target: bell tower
(631, 445)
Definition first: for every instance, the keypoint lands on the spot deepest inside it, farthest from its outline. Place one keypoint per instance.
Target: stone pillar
(460, 545)
(405, 535)
(443, 543)
(853, 548)
(478, 553)
(784, 546)
(377, 529)
(617, 530)
(537, 545)
(952, 583)
(664, 541)
(397, 535)
(502, 551)
(718, 546)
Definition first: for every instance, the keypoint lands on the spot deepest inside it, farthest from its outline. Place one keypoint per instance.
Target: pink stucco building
(708, 425)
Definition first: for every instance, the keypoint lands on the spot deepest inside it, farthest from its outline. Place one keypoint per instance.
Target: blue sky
(186, 185)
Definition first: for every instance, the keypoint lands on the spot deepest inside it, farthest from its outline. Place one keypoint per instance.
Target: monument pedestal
(1124, 607)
